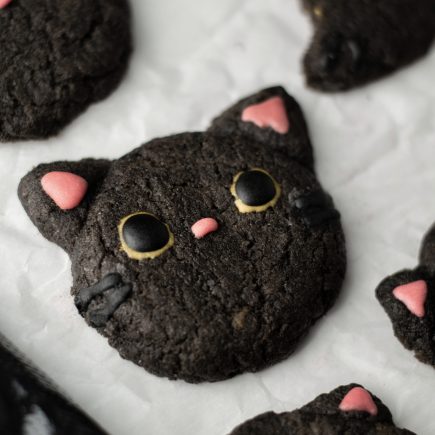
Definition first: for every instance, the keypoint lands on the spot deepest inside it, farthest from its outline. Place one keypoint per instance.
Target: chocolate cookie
(408, 297)
(30, 405)
(200, 255)
(58, 57)
(357, 41)
(349, 410)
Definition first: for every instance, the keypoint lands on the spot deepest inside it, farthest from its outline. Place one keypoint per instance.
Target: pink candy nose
(204, 226)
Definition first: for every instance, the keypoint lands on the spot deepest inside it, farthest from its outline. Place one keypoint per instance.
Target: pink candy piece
(204, 226)
(358, 399)
(413, 295)
(66, 189)
(270, 113)
(4, 3)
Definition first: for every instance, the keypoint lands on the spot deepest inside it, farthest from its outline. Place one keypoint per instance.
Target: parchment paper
(375, 152)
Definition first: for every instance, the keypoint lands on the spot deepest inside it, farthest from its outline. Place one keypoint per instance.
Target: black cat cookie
(58, 57)
(349, 410)
(357, 41)
(408, 297)
(29, 405)
(201, 255)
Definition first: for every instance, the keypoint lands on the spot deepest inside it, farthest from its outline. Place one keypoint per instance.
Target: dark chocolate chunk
(145, 233)
(214, 307)
(255, 188)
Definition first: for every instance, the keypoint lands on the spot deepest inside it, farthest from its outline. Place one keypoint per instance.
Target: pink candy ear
(270, 113)
(4, 3)
(413, 295)
(358, 399)
(66, 189)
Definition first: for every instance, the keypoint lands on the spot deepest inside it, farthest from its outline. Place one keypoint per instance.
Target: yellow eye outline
(136, 255)
(244, 208)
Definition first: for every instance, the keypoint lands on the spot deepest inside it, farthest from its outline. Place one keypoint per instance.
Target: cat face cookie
(201, 255)
(58, 57)
(348, 409)
(408, 297)
(356, 42)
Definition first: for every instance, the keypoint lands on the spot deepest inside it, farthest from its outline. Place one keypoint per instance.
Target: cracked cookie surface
(239, 297)
(58, 57)
(348, 409)
(357, 41)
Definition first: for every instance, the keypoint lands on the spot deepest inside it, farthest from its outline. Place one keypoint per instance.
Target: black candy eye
(144, 236)
(255, 190)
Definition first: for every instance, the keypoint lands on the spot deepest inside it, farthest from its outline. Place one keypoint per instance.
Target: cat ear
(56, 196)
(271, 117)
(405, 292)
(348, 399)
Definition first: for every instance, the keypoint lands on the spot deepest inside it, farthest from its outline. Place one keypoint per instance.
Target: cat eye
(143, 236)
(255, 190)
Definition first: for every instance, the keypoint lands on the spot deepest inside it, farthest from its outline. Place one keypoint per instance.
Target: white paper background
(375, 151)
